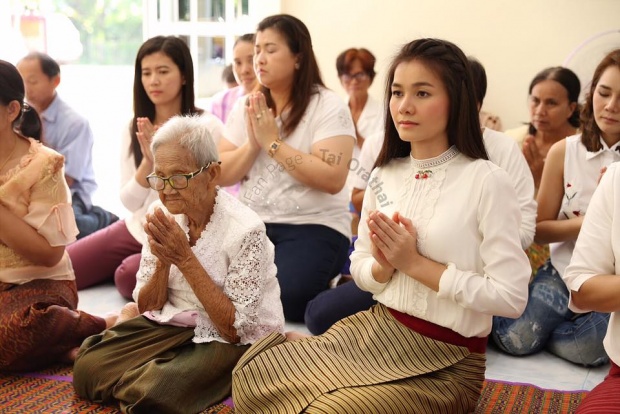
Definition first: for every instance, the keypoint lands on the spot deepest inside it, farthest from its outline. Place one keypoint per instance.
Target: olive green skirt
(150, 368)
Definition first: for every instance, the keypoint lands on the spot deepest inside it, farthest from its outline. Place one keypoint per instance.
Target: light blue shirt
(69, 133)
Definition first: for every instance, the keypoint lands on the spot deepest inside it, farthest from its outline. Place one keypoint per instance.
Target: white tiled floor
(543, 370)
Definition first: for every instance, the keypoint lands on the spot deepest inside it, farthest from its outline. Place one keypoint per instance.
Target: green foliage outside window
(110, 30)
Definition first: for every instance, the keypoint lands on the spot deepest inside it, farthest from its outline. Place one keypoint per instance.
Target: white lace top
(236, 253)
(467, 216)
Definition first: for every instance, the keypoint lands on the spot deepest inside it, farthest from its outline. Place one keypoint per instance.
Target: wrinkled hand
(532, 155)
(168, 242)
(396, 239)
(145, 133)
(261, 121)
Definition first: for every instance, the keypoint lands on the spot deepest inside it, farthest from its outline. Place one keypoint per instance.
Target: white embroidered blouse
(239, 257)
(467, 216)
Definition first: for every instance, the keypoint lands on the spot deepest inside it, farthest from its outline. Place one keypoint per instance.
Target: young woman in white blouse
(290, 147)
(439, 248)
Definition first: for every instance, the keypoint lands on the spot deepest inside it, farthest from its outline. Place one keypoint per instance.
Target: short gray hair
(190, 132)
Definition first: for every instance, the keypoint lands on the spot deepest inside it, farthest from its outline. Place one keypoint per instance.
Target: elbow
(233, 339)
(357, 204)
(52, 257)
(579, 300)
(514, 306)
(231, 336)
(334, 186)
(542, 233)
(514, 312)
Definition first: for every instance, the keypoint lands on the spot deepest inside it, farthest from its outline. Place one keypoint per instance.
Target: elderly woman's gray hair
(190, 132)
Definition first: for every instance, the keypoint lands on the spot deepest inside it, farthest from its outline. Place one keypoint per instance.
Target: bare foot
(110, 319)
(293, 335)
(69, 356)
(129, 311)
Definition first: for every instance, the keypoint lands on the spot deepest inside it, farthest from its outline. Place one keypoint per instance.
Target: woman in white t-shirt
(290, 146)
(163, 87)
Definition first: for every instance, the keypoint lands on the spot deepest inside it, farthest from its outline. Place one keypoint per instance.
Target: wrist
(274, 146)
(160, 266)
(414, 265)
(186, 263)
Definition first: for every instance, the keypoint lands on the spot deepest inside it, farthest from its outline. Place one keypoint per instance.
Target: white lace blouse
(239, 257)
(467, 216)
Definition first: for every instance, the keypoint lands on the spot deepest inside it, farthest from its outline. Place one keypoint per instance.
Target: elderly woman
(356, 70)
(206, 289)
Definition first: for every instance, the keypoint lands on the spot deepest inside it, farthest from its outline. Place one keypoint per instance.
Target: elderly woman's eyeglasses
(359, 76)
(177, 181)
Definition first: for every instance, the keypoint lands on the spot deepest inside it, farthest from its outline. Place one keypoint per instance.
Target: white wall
(513, 39)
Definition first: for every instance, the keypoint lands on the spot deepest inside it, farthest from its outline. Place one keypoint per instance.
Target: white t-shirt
(274, 194)
(597, 251)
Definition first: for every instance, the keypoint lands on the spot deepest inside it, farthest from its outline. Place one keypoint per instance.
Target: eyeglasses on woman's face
(177, 181)
(359, 76)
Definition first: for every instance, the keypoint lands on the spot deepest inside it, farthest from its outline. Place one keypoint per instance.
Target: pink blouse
(36, 191)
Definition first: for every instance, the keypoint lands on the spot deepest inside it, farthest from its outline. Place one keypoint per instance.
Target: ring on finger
(258, 116)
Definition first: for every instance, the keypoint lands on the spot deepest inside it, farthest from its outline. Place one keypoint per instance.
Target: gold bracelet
(274, 146)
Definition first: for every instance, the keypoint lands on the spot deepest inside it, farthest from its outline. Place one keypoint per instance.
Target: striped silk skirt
(366, 363)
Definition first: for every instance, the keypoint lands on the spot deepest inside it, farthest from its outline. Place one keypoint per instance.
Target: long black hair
(177, 50)
(28, 122)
